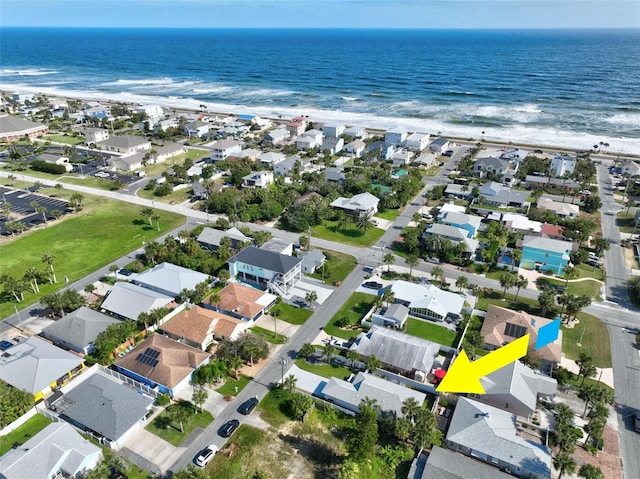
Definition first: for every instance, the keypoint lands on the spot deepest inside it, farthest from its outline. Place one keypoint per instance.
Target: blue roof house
(469, 223)
(545, 254)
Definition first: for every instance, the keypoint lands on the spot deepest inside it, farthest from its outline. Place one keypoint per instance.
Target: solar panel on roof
(514, 330)
(154, 353)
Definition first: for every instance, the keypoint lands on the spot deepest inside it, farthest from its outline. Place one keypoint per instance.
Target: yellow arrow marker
(464, 376)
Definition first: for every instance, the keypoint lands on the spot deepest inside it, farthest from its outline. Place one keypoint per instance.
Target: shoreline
(277, 115)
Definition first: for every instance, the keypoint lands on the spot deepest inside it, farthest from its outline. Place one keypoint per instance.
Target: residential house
(356, 132)
(494, 436)
(514, 153)
(296, 127)
(332, 129)
(332, 145)
(427, 301)
(446, 464)
(250, 154)
(271, 158)
(519, 223)
(153, 112)
(196, 129)
(454, 234)
(499, 168)
(210, 238)
(277, 136)
(170, 279)
(454, 190)
(55, 160)
(401, 157)
(392, 316)
(127, 300)
(243, 302)
(496, 194)
(96, 110)
(95, 135)
(309, 139)
(439, 145)
(312, 260)
(129, 162)
(383, 151)
(355, 148)
(23, 98)
(396, 136)
(562, 166)
(335, 175)
(36, 366)
(125, 144)
(13, 128)
(469, 223)
(199, 327)
(58, 450)
(349, 394)
(290, 165)
(536, 181)
(544, 254)
(78, 330)
(168, 150)
(104, 407)
(164, 125)
(265, 269)
(223, 149)
(502, 325)
(364, 204)
(257, 179)
(631, 169)
(162, 362)
(563, 210)
(278, 245)
(396, 350)
(450, 208)
(550, 231)
(417, 141)
(516, 388)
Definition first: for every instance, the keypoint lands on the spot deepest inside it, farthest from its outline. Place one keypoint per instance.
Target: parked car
(5, 345)
(372, 285)
(229, 428)
(448, 153)
(433, 260)
(538, 152)
(125, 272)
(558, 288)
(298, 303)
(248, 406)
(204, 457)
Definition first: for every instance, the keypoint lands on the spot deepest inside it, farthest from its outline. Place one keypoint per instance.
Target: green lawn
(586, 271)
(390, 215)
(157, 168)
(625, 222)
(595, 341)
(179, 196)
(70, 140)
(25, 432)
(431, 332)
(495, 297)
(83, 242)
(290, 314)
(351, 236)
(271, 408)
(164, 428)
(589, 288)
(336, 267)
(324, 369)
(89, 182)
(270, 336)
(229, 388)
(354, 309)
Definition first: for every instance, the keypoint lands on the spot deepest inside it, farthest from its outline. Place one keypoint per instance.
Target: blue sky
(324, 13)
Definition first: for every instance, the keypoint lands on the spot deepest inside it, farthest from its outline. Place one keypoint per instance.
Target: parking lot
(22, 210)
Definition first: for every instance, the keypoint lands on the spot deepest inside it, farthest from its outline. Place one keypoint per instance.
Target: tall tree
(425, 432)
(329, 352)
(508, 280)
(373, 363)
(462, 282)
(521, 282)
(199, 397)
(564, 463)
(32, 275)
(589, 471)
(412, 261)
(48, 259)
(363, 435)
(437, 273)
(290, 383)
(148, 213)
(410, 408)
(587, 368)
(389, 259)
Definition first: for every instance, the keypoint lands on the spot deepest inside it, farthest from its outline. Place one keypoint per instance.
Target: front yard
(431, 332)
(351, 235)
(324, 369)
(230, 385)
(166, 425)
(23, 433)
(353, 309)
(336, 267)
(290, 314)
(270, 336)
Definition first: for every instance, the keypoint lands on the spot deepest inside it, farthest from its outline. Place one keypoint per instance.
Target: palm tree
(235, 363)
(215, 300)
(311, 297)
(388, 296)
(373, 363)
(76, 201)
(564, 463)
(199, 397)
(569, 272)
(343, 221)
(438, 274)
(410, 408)
(564, 415)
(32, 275)
(48, 258)
(412, 261)
(147, 212)
(587, 368)
(353, 356)
(329, 352)
(389, 259)
(180, 415)
(364, 223)
(589, 471)
(462, 282)
(521, 282)
(114, 269)
(156, 217)
(290, 383)
(507, 280)
(306, 350)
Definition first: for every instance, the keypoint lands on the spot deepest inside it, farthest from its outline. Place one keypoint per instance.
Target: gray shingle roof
(13, 124)
(79, 328)
(129, 300)
(280, 263)
(170, 278)
(123, 141)
(106, 406)
(445, 464)
(547, 244)
(213, 236)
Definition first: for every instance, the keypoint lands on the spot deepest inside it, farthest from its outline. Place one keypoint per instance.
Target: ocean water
(566, 88)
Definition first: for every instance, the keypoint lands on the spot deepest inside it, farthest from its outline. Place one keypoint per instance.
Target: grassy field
(270, 336)
(324, 369)
(586, 271)
(69, 140)
(164, 428)
(290, 314)
(595, 341)
(588, 287)
(89, 182)
(390, 215)
(81, 243)
(158, 168)
(175, 197)
(495, 297)
(229, 388)
(271, 410)
(431, 332)
(25, 432)
(354, 309)
(625, 221)
(336, 268)
(351, 236)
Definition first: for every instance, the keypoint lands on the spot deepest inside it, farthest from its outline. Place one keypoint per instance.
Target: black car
(448, 153)
(5, 345)
(125, 272)
(372, 285)
(229, 427)
(248, 406)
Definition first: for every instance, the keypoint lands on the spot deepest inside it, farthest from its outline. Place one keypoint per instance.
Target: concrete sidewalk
(603, 375)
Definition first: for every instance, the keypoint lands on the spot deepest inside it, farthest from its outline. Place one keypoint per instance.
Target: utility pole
(282, 363)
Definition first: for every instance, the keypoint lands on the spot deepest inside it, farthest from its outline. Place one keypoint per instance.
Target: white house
(356, 132)
(266, 269)
(427, 301)
(309, 139)
(296, 127)
(358, 205)
(564, 210)
(271, 158)
(332, 130)
(128, 162)
(355, 148)
(439, 145)
(125, 144)
(402, 157)
(417, 141)
(257, 179)
(153, 112)
(94, 135)
(197, 129)
(288, 165)
(223, 149)
(563, 165)
(277, 136)
(167, 151)
(56, 160)
(332, 144)
(396, 137)
(170, 279)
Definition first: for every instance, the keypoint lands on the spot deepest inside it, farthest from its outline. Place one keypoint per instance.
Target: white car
(204, 456)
